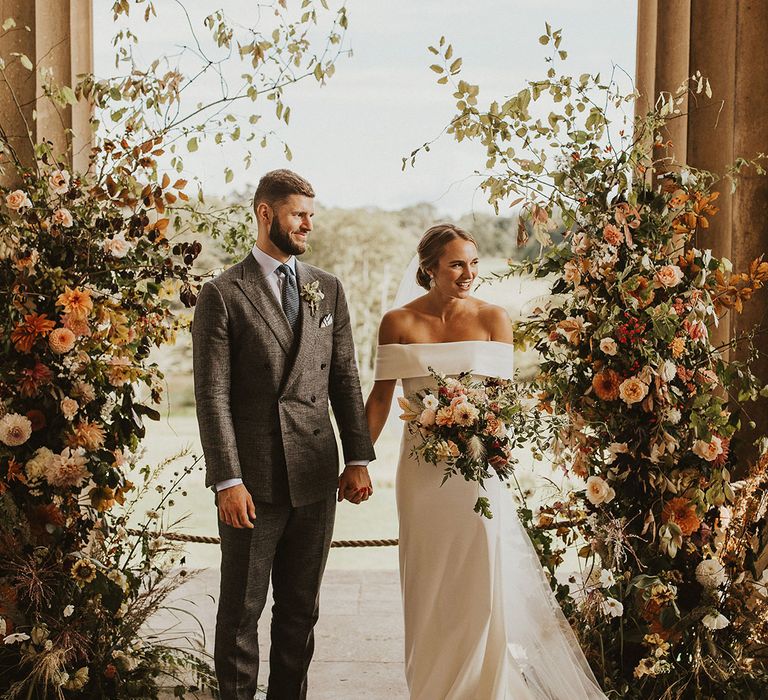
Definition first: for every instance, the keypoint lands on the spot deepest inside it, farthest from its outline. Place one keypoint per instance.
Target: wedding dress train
(481, 622)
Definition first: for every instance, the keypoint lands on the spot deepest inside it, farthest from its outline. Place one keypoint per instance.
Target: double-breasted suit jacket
(262, 392)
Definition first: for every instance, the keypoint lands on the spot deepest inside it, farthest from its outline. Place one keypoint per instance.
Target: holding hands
(355, 484)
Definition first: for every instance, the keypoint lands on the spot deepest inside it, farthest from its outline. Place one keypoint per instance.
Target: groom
(272, 346)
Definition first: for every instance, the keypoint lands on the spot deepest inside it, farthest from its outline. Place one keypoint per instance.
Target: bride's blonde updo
(432, 245)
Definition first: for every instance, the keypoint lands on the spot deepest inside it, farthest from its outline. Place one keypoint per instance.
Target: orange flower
(683, 513)
(606, 384)
(29, 330)
(88, 435)
(77, 303)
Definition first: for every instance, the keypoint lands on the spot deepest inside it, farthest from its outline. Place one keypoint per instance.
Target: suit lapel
(309, 327)
(255, 286)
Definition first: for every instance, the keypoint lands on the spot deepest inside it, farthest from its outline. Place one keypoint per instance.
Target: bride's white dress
(481, 622)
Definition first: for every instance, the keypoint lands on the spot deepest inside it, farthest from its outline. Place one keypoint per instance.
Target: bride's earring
(431, 281)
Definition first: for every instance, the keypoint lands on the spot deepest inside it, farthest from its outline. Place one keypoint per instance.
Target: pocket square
(326, 321)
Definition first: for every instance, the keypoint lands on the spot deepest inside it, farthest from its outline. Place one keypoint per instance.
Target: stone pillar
(55, 36)
(725, 41)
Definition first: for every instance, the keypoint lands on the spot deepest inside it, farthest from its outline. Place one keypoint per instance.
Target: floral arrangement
(467, 425)
(89, 276)
(673, 550)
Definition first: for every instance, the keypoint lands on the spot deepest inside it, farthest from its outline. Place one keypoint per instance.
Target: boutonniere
(312, 294)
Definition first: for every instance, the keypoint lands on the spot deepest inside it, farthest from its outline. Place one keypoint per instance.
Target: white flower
(430, 402)
(15, 429)
(673, 415)
(38, 465)
(608, 346)
(117, 246)
(83, 390)
(710, 573)
(668, 371)
(17, 637)
(68, 469)
(708, 450)
(39, 634)
(606, 578)
(598, 491)
(68, 610)
(612, 607)
(715, 621)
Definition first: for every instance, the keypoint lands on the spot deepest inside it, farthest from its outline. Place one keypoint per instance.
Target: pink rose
(632, 390)
(58, 181)
(709, 451)
(17, 200)
(668, 276)
(63, 217)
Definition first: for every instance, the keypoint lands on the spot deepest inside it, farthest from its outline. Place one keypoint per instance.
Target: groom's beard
(283, 240)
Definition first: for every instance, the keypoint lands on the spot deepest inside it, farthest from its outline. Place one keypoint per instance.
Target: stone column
(725, 41)
(58, 37)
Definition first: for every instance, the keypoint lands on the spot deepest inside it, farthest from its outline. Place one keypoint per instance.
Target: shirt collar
(268, 264)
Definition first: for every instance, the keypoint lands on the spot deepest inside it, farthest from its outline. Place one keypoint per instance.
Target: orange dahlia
(76, 302)
(606, 384)
(30, 329)
(88, 435)
(682, 512)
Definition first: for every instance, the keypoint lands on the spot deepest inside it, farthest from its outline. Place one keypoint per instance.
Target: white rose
(708, 450)
(38, 465)
(598, 491)
(608, 346)
(58, 181)
(117, 246)
(673, 415)
(668, 371)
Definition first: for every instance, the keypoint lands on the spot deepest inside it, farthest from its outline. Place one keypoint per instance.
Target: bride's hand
(355, 484)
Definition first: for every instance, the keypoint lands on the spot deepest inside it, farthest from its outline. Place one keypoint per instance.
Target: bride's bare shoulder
(496, 321)
(394, 323)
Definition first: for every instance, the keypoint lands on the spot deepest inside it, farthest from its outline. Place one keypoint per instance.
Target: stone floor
(359, 638)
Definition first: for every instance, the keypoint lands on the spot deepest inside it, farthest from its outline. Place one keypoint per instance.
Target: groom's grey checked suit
(262, 393)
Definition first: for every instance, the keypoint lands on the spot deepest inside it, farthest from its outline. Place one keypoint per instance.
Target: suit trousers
(292, 545)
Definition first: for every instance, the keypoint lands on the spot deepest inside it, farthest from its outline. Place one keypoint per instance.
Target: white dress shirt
(275, 280)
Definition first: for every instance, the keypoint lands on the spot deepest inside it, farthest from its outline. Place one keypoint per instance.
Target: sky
(349, 137)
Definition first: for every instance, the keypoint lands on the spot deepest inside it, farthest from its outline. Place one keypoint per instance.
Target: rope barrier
(203, 539)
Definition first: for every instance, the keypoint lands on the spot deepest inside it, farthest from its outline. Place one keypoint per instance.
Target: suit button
(323, 366)
(313, 399)
(316, 431)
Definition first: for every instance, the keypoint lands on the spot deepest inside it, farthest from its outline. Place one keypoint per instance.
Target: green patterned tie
(290, 295)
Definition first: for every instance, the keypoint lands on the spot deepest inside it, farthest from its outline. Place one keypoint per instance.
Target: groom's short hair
(276, 185)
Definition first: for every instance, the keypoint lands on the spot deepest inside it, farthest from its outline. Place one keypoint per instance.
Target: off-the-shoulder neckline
(448, 342)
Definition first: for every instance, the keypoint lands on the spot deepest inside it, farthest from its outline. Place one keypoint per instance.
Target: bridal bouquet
(467, 424)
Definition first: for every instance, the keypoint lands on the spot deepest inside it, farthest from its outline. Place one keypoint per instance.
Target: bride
(481, 622)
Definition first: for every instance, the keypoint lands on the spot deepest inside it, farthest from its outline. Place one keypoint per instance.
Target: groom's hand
(236, 507)
(355, 484)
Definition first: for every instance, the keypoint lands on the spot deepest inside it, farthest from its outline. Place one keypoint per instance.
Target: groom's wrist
(227, 484)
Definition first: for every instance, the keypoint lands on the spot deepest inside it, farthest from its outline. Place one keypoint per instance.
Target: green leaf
(543, 39)
(10, 23)
(26, 62)
(192, 144)
(69, 95)
(436, 68)
(228, 175)
(455, 66)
